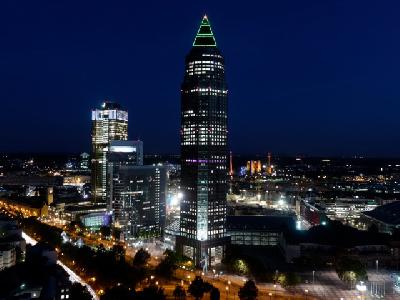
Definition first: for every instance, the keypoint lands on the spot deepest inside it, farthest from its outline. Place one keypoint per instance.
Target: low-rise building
(8, 256)
(34, 206)
(385, 217)
(258, 230)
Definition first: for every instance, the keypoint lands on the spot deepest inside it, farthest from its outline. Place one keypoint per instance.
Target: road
(229, 286)
(328, 286)
(72, 276)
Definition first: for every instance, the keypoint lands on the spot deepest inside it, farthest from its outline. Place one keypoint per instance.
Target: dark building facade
(110, 122)
(120, 153)
(204, 151)
(141, 193)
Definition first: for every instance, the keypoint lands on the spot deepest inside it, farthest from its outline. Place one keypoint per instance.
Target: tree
(288, 279)
(119, 252)
(350, 269)
(116, 233)
(152, 292)
(166, 267)
(118, 292)
(197, 288)
(249, 291)
(214, 294)
(105, 231)
(141, 257)
(179, 293)
(240, 267)
(79, 292)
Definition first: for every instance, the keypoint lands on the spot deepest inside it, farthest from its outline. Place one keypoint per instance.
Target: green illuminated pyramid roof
(204, 36)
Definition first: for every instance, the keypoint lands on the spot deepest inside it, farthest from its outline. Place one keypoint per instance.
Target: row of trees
(350, 269)
(197, 289)
(109, 268)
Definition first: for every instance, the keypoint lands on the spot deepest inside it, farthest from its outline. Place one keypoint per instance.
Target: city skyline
(307, 89)
(272, 192)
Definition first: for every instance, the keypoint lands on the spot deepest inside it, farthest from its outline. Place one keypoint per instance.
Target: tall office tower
(204, 155)
(110, 122)
(142, 192)
(120, 153)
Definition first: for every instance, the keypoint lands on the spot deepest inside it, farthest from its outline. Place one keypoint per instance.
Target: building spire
(204, 36)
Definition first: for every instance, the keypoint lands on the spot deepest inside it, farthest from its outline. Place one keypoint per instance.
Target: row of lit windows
(211, 55)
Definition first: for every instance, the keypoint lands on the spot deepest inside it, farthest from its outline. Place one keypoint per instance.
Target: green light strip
(204, 23)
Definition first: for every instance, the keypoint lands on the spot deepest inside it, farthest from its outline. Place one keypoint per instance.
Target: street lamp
(313, 275)
(306, 291)
(270, 296)
(227, 291)
(361, 288)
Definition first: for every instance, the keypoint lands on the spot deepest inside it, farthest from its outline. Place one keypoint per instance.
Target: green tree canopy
(249, 291)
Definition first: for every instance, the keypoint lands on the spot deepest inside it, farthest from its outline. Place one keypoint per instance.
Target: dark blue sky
(312, 77)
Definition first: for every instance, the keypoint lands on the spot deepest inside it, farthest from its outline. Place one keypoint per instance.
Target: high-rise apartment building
(110, 122)
(204, 154)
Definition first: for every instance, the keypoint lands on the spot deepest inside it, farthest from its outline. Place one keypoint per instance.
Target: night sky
(305, 77)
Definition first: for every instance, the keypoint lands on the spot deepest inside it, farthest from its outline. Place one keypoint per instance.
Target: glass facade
(141, 192)
(110, 122)
(203, 150)
(120, 153)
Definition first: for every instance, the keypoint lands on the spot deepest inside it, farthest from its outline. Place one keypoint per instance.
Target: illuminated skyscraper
(110, 122)
(204, 155)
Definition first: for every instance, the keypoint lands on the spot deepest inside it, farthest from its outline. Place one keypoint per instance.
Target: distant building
(72, 213)
(140, 192)
(259, 230)
(10, 240)
(126, 152)
(110, 122)
(346, 210)
(386, 217)
(95, 219)
(84, 161)
(33, 180)
(27, 206)
(254, 167)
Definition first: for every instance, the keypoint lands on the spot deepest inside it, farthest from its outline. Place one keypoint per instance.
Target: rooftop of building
(205, 36)
(110, 105)
(31, 202)
(260, 222)
(86, 207)
(336, 234)
(388, 213)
